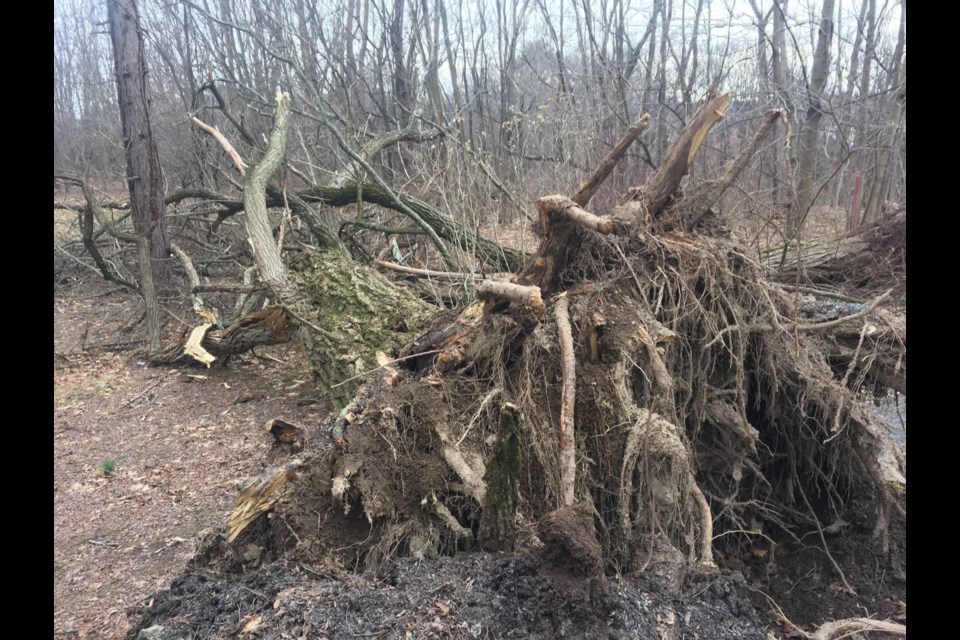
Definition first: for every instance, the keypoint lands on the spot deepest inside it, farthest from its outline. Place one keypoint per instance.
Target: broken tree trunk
(655, 195)
(873, 257)
(346, 311)
(267, 327)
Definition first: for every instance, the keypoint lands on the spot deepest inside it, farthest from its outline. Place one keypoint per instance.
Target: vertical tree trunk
(808, 139)
(778, 62)
(144, 174)
(898, 82)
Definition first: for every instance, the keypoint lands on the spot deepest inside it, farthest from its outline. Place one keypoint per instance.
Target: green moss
(360, 312)
(503, 482)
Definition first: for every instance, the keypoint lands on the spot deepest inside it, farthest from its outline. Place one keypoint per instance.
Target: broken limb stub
(557, 205)
(528, 296)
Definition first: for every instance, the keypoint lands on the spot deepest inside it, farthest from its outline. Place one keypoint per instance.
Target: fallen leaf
(253, 623)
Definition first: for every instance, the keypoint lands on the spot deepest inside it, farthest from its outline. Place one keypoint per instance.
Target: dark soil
(474, 595)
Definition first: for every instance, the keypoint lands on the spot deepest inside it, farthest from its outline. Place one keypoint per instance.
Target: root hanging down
(568, 448)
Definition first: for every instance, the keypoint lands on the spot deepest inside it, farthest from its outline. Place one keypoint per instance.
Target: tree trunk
(808, 139)
(898, 83)
(346, 311)
(874, 257)
(144, 174)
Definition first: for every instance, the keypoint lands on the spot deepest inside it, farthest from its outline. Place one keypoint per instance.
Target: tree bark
(144, 174)
(265, 249)
(680, 156)
(808, 139)
(898, 83)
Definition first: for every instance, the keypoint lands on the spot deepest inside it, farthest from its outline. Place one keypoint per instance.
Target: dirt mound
(477, 595)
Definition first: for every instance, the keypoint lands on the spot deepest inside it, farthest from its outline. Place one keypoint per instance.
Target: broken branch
(589, 188)
(518, 293)
(238, 162)
(427, 273)
(564, 206)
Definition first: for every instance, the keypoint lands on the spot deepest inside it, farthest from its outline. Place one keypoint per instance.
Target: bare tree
(898, 89)
(144, 173)
(808, 136)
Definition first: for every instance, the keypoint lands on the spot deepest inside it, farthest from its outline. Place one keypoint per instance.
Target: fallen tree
(875, 253)
(672, 406)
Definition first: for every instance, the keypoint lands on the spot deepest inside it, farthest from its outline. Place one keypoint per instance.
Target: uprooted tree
(637, 385)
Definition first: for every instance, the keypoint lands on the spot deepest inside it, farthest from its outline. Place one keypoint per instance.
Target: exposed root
(470, 473)
(568, 446)
(697, 414)
(849, 626)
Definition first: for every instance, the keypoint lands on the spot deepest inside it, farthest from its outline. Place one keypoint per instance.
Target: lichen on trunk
(359, 311)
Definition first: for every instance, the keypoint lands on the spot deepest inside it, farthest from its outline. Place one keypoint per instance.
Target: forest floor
(148, 459)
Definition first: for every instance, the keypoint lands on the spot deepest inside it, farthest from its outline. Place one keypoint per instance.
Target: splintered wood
(193, 348)
(259, 496)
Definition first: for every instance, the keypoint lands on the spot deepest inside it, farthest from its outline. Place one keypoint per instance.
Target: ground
(147, 463)
(147, 458)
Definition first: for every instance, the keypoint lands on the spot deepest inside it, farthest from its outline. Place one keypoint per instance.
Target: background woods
(480, 108)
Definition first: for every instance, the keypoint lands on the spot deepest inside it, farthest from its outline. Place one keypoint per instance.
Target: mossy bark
(359, 312)
(503, 482)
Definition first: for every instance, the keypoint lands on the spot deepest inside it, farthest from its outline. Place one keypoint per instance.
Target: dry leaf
(253, 623)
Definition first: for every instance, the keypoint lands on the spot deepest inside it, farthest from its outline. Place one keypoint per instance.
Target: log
(874, 255)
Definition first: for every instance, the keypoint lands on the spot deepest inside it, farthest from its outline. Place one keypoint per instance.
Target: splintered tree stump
(681, 154)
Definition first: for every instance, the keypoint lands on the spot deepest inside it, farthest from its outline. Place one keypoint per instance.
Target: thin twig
(142, 393)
